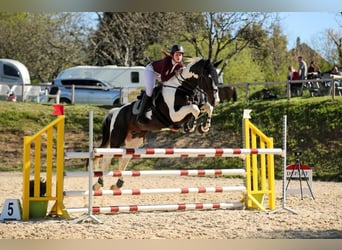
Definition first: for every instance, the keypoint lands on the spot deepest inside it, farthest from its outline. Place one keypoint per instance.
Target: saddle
(157, 91)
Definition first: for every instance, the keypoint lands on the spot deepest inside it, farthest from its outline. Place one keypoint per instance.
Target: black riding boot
(141, 118)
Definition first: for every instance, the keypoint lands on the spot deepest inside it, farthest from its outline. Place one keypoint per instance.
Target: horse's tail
(106, 128)
(234, 94)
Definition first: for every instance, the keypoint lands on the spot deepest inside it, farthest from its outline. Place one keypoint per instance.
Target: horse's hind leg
(123, 162)
(105, 166)
(105, 163)
(107, 125)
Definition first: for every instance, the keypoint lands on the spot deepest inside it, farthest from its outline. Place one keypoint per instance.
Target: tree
(123, 37)
(222, 35)
(133, 38)
(272, 55)
(242, 68)
(336, 39)
(45, 42)
(329, 43)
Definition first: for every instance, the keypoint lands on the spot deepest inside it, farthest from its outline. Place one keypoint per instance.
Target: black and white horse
(177, 103)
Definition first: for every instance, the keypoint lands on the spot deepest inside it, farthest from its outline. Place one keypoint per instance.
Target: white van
(116, 76)
(13, 72)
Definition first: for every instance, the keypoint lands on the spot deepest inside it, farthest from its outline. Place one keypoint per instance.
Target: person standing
(302, 68)
(293, 74)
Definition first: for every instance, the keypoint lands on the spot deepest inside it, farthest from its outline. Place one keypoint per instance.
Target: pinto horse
(177, 103)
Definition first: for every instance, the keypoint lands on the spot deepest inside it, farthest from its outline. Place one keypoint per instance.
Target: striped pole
(136, 173)
(172, 152)
(156, 191)
(162, 207)
(181, 152)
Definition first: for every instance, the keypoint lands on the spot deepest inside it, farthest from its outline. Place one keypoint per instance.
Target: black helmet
(177, 48)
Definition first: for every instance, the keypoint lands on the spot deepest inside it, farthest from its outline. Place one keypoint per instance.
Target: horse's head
(204, 71)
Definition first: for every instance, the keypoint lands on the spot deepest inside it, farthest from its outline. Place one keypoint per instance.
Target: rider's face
(178, 56)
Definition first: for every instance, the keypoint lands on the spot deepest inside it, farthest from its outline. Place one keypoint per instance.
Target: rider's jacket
(166, 67)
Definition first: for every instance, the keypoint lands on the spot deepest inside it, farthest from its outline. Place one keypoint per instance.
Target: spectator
(302, 68)
(335, 70)
(293, 74)
(314, 71)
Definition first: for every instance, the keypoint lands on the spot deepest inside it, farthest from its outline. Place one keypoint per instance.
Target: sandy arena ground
(319, 218)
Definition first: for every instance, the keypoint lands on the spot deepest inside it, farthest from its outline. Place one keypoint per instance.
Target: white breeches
(150, 78)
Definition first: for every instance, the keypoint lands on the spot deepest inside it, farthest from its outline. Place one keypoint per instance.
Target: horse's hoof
(100, 181)
(203, 130)
(188, 129)
(97, 186)
(114, 187)
(119, 183)
(192, 130)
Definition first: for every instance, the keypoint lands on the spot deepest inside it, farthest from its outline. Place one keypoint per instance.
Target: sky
(307, 25)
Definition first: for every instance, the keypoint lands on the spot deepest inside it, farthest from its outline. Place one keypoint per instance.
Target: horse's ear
(217, 63)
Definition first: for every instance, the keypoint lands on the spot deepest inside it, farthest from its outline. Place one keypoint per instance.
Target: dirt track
(317, 219)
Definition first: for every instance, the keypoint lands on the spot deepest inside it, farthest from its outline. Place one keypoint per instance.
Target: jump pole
(162, 207)
(183, 172)
(142, 191)
(173, 152)
(89, 210)
(284, 171)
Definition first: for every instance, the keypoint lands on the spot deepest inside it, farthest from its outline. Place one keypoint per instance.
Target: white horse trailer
(116, 76)
(13, 72)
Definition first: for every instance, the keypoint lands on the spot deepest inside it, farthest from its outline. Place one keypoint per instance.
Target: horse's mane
(185, 73)
(192, 60)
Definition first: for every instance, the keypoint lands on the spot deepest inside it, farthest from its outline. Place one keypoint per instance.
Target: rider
(161, 70)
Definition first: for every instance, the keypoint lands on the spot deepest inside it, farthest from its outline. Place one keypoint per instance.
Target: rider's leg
(145, 101)
(150, 78)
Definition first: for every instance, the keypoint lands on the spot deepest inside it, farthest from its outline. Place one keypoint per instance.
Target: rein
(190, 90)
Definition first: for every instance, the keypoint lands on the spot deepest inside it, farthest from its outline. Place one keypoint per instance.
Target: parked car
(87, 90)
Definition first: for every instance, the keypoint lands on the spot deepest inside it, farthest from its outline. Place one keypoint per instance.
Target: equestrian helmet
(177, 48)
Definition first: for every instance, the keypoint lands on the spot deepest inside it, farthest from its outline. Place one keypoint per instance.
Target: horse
(227, 92)
(179, 102)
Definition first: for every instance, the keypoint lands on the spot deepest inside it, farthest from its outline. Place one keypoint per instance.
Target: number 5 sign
(11, 210)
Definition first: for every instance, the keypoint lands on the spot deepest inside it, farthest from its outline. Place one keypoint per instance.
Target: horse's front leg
(190, 125)
(208, 109)
(184, 111)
